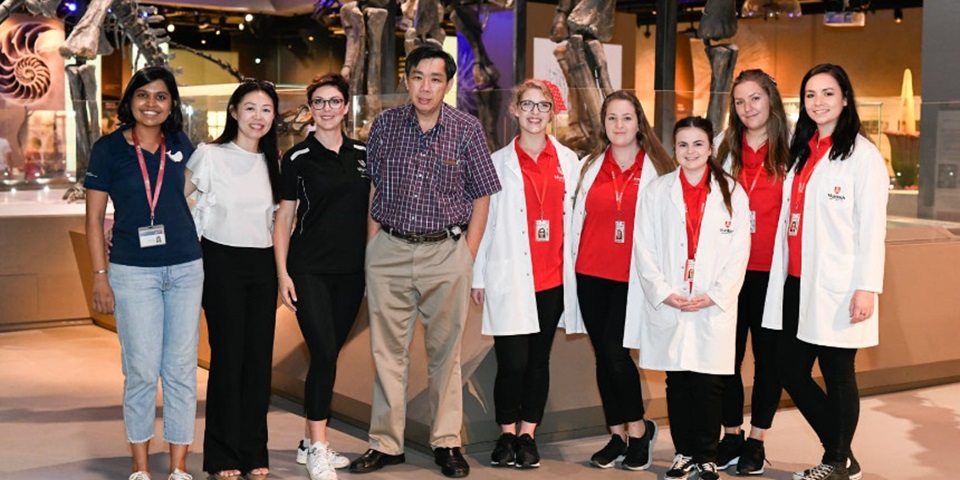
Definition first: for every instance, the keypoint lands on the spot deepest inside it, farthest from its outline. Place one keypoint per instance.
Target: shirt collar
(688, 187)
(441, 118)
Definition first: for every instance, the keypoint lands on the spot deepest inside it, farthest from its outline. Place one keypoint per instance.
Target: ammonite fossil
(24, 76)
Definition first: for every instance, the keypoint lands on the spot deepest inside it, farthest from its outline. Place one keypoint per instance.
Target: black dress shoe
(451, 462)
(373, 460)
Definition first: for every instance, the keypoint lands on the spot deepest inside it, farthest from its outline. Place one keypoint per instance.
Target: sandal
(260, 475)
(227, 475)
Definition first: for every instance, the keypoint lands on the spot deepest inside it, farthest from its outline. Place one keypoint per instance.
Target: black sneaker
(503, 453)
(639, 454)
(728, 452)
(853, 468)
(609, 454)
(681, 468)
(527, 455)
(824, 471)
(752, 458)
(707, 471)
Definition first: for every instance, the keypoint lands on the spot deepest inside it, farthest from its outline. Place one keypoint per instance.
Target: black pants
(327, 306)
(240, 305)
(523, 365)
(693, 407)
(763, 342)
(603, 304)
(833, 413)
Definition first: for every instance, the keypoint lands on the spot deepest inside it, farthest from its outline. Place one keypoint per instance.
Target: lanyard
(618, 192)
(803, 177)
(753, 184)
(545, 173)
(693, 228)
(151, 199)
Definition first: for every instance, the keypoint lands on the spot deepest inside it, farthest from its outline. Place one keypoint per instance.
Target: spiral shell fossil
(24, 76)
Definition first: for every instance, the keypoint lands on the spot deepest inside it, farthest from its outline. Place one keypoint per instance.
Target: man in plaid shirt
(432, 177)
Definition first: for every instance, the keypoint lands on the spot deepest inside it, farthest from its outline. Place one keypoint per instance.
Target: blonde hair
(526, 86)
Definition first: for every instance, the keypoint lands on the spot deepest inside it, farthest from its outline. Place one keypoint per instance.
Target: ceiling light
(240, 26)
(771, 8)
(897, 15)
(171, 28)
(248, 17)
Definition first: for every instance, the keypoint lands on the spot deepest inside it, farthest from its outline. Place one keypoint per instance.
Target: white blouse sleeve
(201, 166)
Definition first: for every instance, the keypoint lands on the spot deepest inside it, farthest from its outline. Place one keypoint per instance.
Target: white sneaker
(302, 451)
(337, 460)
(318, 463)
(141, 475)
(178, 474)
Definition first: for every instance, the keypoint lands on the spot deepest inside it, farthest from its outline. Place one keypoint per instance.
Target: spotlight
(217, 31)
(203, 41)
(240, 26)
(310, 38)
(248, 17)
(897, 15)
(70, 6)
(171, 28)
(646, 33)
(257, 60)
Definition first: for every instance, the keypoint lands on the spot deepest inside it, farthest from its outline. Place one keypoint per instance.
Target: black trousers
(833, 413)
(327, 306)
(763, 342)
(240, 305)
(693, 407)
(523, 365)
(603, 304)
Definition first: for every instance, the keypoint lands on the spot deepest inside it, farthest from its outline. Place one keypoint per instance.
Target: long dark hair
(647, 139)
(714, 169)
(268, 142)
(174, 122)
(778, 143)
(848, 125)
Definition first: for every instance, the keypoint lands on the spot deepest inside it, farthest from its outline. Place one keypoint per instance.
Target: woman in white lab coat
(828, 263)
(691, 253)
(518, 272)
(754, 149)
(604, 227)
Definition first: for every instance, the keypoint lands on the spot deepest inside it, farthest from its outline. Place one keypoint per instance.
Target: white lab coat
(503, 267)
(701, 341)
(634, 296)
(844, 228)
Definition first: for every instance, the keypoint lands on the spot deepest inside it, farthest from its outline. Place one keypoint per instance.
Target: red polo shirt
(818, 149)
(599, 255)
(694, 198)
(543, 187)
(765, 192)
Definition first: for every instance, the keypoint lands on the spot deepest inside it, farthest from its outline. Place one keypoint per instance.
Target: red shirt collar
(610, 164)
(820, 146)
(753, 158)
(550, 151)
(688, 187)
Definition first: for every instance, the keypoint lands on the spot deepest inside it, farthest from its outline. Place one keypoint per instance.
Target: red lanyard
(753, 184)
(618, 192)
(803, 177)
(693, 228)
(545, 173)
(151, 199)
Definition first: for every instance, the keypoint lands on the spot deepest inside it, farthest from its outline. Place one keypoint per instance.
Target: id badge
(688, 271)
(794, 224)
(753, 221)
(619, 231)
(153, 236)
(543, 230)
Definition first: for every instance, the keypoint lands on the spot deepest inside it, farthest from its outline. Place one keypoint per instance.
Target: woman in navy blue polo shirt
(154, 280)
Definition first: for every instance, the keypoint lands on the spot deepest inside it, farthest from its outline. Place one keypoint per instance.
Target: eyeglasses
(527, 106)
(261, 83)
(321, 103)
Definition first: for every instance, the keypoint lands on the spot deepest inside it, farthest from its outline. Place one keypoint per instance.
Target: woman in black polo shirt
(320, 266)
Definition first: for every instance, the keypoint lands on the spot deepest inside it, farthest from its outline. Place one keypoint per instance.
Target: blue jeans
(158, 323)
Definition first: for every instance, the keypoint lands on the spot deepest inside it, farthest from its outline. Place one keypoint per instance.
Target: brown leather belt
(454, 232)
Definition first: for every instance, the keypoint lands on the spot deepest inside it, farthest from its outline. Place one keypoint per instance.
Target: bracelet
(98, 272)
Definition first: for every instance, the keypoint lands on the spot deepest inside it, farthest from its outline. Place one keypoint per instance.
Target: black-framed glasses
(321, 103)
(261, 83)
(527, 106)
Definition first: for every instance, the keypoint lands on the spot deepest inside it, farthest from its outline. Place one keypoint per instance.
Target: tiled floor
(60, 418)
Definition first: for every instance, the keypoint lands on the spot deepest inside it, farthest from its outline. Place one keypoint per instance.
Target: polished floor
(60, 418)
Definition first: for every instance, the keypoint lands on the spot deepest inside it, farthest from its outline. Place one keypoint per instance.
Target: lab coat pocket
(836, 272)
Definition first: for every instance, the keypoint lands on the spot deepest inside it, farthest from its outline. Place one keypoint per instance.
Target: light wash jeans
(158, 323)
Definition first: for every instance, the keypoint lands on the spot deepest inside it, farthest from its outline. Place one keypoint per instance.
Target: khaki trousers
(405, 280)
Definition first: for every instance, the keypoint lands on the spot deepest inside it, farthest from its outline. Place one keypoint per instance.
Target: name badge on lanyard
(688, 270)
(153, 235)
(753, 221)
(794, 225)
(543, 230)
(619, 231)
